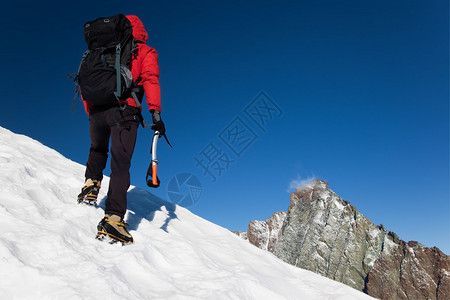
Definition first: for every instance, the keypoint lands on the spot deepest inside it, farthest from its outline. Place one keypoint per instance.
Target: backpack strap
(75, 79)
(135, 97)
(130, 85)
(85, 54)
(118, 92)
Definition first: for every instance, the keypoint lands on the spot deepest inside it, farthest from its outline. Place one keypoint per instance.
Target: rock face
(265, 234)
(327, 235)
(410, 271)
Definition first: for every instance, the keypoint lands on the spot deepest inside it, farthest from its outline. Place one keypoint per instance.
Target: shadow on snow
(143, 205)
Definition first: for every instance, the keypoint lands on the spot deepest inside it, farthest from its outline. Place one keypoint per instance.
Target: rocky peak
(317, 192)
(325, 234)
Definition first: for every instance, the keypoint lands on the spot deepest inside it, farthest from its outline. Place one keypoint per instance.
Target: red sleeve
(87, 106)
(150, 80)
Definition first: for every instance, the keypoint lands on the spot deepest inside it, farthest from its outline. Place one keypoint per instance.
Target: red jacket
(143, 66)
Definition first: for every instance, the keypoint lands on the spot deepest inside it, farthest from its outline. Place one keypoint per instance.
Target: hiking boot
(89, 192)
(115, 228)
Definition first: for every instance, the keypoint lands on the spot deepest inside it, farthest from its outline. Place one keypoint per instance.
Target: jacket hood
(139, 32)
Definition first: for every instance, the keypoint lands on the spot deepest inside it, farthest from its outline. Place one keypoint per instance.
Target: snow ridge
(48, 250)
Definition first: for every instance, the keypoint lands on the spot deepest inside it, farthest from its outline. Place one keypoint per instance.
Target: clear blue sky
(362, 87)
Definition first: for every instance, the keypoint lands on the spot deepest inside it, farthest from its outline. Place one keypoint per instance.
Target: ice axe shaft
(152, 169)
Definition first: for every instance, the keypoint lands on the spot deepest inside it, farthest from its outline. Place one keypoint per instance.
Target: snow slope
(48, 250)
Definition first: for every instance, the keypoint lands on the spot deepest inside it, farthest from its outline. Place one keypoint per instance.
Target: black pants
(121, 127)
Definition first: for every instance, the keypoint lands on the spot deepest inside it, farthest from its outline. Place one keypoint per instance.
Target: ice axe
(154, 181)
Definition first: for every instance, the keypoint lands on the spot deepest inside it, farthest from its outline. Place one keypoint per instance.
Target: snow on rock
(48, 250)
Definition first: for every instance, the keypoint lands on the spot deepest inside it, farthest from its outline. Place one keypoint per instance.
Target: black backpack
(104, 76)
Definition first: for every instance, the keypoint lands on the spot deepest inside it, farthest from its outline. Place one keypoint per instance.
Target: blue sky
(361, 87)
